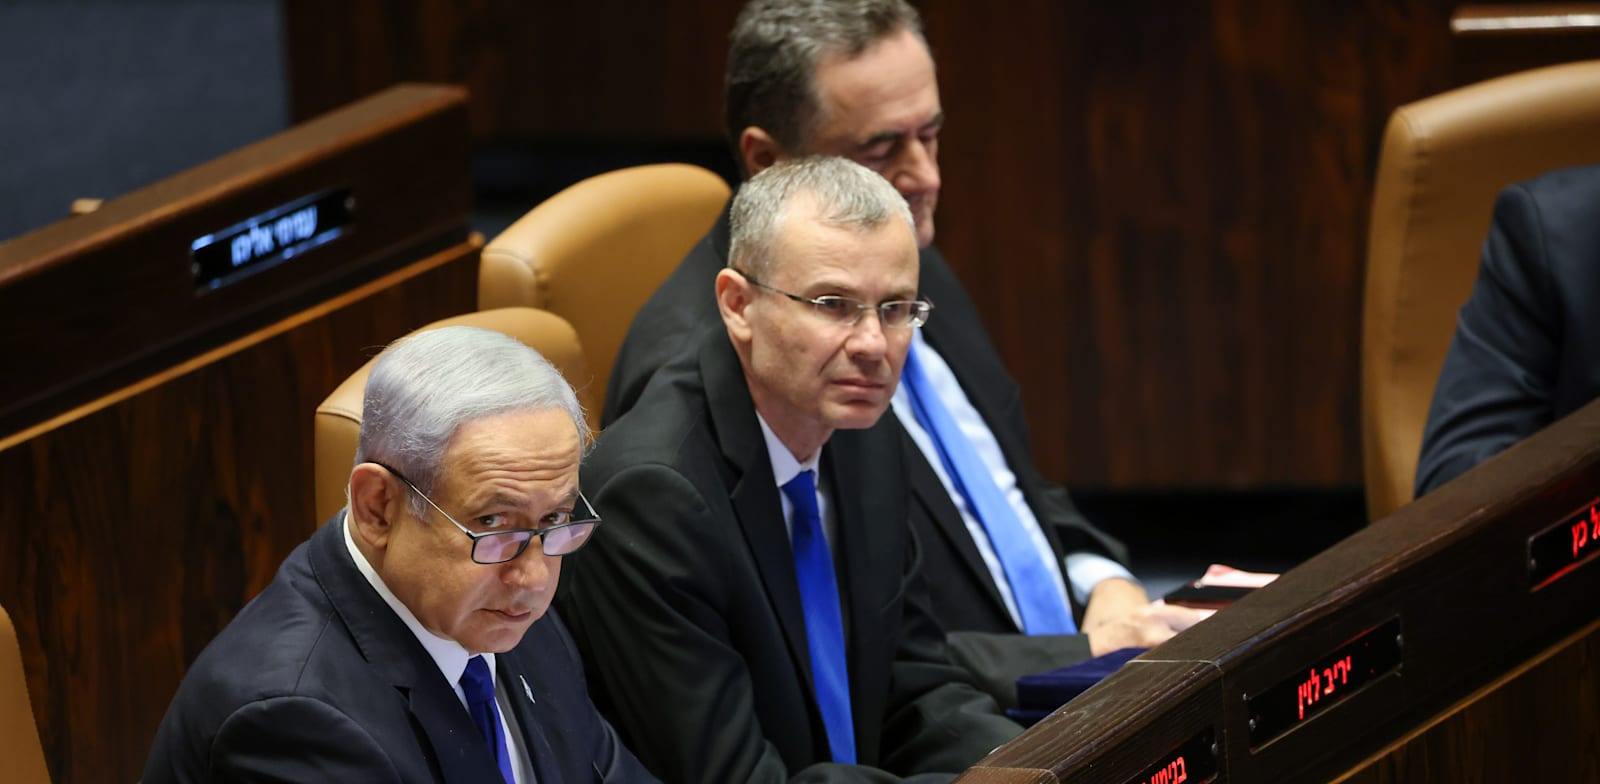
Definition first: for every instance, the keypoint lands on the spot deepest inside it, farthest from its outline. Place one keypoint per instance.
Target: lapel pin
(526, 690)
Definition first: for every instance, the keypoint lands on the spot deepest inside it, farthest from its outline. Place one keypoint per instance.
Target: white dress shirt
(451, 659)
(1084, 570)
(784, 468)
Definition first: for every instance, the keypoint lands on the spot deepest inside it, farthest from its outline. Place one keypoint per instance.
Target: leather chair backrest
(338, 419)
(593, 253)
(1444, 160)
(21, 755)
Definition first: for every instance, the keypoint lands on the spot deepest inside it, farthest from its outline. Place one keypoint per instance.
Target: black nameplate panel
(1325, 683)
(1556, 551)
(1192, 762)
(277, 235)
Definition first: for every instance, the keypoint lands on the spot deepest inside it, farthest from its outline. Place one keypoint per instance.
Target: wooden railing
(162, 358)
(1455, 640)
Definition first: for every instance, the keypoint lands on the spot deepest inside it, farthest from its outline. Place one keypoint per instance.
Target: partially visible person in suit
(755, 612)
(1527, 345)
(408, 639)
(1006, 551)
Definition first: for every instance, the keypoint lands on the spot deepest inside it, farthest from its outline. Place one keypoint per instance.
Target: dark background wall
(1159, 207)
(100, 98)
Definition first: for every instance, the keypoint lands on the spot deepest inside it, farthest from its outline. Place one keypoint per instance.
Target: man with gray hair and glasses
(1006, 552)
(755, 612)
(409, 639)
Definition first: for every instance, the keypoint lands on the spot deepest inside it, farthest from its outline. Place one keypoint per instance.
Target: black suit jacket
(692, 623)
(317, 679)
(1527, 345)
(965, 599)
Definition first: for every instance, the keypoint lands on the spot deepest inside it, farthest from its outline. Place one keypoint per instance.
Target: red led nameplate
(1192, 762)
(1324, 683)
(1557, 550)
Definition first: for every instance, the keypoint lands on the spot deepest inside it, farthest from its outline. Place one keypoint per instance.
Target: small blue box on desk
(1040, 694)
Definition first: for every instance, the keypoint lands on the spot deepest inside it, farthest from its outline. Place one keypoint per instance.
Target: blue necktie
(819, 596)
(477, 683)
(1043, 609)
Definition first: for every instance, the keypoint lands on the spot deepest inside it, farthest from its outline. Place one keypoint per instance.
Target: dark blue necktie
(819, 596)
(1043, 609)
(477, 683)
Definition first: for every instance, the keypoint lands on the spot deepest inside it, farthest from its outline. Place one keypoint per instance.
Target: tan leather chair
(338, 419)
(1443, 161)
(21, 755)
(593, 253)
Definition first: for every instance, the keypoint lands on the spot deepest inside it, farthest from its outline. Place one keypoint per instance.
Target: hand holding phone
(1198, 594)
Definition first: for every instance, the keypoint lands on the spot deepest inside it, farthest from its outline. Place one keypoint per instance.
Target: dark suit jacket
(964, 595)
(1527, 345)
(692, 623)
(317, 679)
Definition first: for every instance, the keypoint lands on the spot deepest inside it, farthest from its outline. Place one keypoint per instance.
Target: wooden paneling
(156, 435)
(1547, 713)
(102, 299)
(1493, 664)
(1160, 208)
(607, 69)
(1106, 734)
(131, 535)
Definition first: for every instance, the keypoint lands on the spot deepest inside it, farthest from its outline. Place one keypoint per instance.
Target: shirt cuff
(1085, 570)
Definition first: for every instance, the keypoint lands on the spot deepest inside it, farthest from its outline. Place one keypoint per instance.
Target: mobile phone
(1196, 594)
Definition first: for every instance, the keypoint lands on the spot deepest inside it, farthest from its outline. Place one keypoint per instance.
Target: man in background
(1005, 551)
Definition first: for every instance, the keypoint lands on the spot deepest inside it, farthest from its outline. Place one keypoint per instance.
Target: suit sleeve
(296, 739)
(1074, 530)
(610, 759)
(649, 609)
(996, 660)
(1499, 374)
(937, 717)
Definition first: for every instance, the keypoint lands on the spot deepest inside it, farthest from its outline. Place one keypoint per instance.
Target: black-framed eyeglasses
(494, 547)
(847, 311)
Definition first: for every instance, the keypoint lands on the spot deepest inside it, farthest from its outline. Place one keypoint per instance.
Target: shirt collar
(784, 466)
(447, 654)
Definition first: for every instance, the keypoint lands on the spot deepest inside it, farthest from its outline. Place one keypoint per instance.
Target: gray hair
(773, 54)
(844, 193)
(424, 387)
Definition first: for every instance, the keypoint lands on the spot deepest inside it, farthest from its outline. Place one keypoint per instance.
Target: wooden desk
(1493, 674)
(155, 432)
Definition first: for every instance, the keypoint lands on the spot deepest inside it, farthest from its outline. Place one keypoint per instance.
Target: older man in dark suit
(408, 640)
(1006, 552)
(755, 612)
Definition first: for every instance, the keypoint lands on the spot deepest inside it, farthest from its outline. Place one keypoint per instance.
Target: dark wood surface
(1108, 735)
(1161, 212)
(595, 70)
(1558, 699)
(1159, 208)
(1453, 569)
(100, 300)
(133, 534)
(156, 459)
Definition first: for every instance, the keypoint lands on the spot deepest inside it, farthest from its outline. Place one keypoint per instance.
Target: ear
(758, 150)
(734, 294)
(375, 504)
